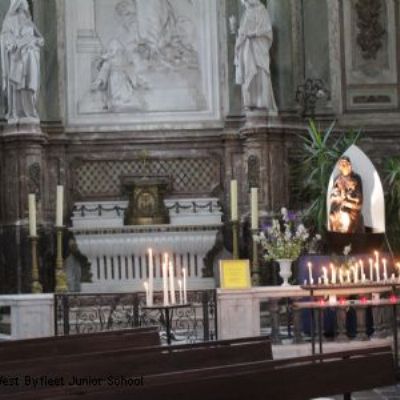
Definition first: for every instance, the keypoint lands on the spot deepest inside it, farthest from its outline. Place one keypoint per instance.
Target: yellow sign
(235, 274)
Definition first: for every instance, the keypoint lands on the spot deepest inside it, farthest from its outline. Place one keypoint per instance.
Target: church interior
(200, 199)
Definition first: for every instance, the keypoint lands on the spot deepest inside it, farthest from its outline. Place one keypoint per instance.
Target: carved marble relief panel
(96, 179)
(370, 55)
(131, 61)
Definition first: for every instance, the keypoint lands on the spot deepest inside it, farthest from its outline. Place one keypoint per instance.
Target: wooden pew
(83, 343)
(291, 379)
(129, 362)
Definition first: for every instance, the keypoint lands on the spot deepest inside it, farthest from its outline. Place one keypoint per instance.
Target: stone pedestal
(23, 170)
(32, 316)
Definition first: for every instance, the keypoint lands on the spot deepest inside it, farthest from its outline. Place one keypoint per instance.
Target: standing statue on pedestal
(20, 44)
(252, 57)
(346, 200)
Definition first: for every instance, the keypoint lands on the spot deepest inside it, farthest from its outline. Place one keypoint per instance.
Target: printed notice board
(235, 274)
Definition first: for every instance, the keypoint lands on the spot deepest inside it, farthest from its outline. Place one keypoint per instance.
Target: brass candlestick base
(255, 271)
(61, 276)
(235, 239)
(36, 285)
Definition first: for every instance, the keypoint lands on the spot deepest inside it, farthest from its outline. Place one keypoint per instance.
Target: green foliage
(318, 153)
(392, 204)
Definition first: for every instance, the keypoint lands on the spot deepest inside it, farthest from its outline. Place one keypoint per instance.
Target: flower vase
(285, 270)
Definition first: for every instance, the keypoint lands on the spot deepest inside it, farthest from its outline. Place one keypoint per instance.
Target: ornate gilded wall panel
(95, 179)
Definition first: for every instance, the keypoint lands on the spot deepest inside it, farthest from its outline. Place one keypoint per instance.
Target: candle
(32, 215)
(146, 288)
(378, 278)
(165, 283)
(333, 273)
(341, 275)
(151, 277)
(398, 270)
(385, 274)
(59, 206)
(310, 278)
(172, 283)
(319, 281)
(371, 270)
(393, 278)
(234, 200)
(254, 208)
(180, 291)
(376, 257)
(348, 276)
(355, 271)
(184, 286)
(362, 270)
(325, 272)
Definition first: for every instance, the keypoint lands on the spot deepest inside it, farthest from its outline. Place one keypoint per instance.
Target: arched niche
(373, 209)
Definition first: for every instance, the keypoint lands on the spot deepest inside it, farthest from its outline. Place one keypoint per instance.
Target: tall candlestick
(151, 277)
(32, 215)
(165, 283)
(234, 200)
(146, 288)
(184, 286)
(254, 208)
(180, 291)
(172, 283)
(310, 278)
(59, 206)
(385, 274)
(371, 270)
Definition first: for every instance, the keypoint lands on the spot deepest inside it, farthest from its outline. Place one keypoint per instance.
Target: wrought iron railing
(84, 313)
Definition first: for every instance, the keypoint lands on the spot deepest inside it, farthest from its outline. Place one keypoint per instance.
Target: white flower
(347, 250)
(285, 214)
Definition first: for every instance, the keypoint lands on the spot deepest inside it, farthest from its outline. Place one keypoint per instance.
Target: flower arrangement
(285, 239)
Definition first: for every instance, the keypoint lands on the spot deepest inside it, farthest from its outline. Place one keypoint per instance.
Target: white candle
(362, 270)
(348, 276)
(146, 288)
(325, 272)
(32, 215)
(376, 257)
(341, 275)
(355, 273)
(59, 206)
(180, 291)
(151, 277)
(254, 208)
(234, 200)
(184, 286)
(319, 281)
(393, 278)
(333, 273)
(371, 270)
(385, 274)
(378, 277)
(310, 278)
(172, 283)
(165, 283)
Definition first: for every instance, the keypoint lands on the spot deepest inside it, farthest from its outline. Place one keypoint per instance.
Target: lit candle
(310, 278)
(184, 286)
(341, 280)
(385, 274)
(59, 205)
(333, 273)
(254, 208)
(325, 272)
(319, 281)
(172, 283)
(378, 277)
(348, 276)
(376, 257)
(355, 272)
(180, 291)
(234, 200)
(371, 270)
(146, 288)
(32, 215)
(362, 271)
(151, 277)
(393, 278)
(165, 283)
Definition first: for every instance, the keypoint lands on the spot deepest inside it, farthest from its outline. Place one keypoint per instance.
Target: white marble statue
(252, 57)
(20, 44)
